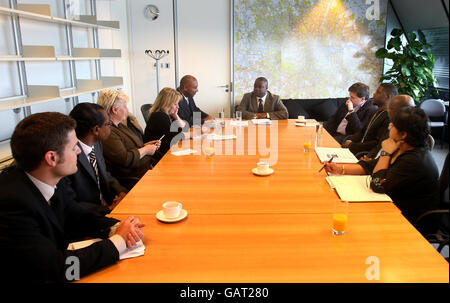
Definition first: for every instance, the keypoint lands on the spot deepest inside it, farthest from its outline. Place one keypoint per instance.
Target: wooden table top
(279, 248)
(225, 184)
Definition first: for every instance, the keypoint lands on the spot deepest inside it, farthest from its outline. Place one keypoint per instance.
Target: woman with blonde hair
(127, 157)
(164, 114)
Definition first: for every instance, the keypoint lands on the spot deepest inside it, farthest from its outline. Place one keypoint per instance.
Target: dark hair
(37, 134)
(87, 115)
(413, 121)
(360, 89)
(262, 79)
(389, 89)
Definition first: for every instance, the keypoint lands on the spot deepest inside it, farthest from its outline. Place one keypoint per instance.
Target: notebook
(356, 189)
(261, 121)
(341, 155)
(132, 252)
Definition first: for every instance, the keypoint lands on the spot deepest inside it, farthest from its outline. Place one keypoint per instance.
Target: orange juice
(307, 145)
(339, 223)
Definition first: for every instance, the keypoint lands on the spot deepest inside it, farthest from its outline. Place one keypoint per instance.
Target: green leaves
(412, 69)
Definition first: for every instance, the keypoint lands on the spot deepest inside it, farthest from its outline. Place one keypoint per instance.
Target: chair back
(433, 107)
(145, 109)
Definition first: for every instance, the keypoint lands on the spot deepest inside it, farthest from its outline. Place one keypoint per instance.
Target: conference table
(246, 228)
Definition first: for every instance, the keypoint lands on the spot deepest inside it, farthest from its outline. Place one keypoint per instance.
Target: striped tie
(260, 106)
(93, 161)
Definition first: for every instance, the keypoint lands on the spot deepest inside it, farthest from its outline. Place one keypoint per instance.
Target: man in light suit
(92, 183)
(187, 107)
(261, 104)
(38, 216)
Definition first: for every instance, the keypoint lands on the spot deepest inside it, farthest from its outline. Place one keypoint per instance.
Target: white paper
(184, 152)
(356, 189)
(261, 121)
(342, 155)
(132, 252)
(238, 123)
(221, 137)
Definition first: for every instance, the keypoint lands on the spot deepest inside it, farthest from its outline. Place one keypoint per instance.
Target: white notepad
(132, 252)
(221, 137)
(184, 152)
(342, 155)
(261, 121)
(356, 189)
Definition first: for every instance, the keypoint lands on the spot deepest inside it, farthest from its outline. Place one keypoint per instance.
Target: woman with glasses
(405, 170)
(127, 157)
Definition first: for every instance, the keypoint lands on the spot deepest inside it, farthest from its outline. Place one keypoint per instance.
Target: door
(204, 51)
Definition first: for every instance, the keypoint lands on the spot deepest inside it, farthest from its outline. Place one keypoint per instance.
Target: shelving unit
(37, 94)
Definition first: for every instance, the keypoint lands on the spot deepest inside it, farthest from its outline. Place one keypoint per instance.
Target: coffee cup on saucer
(262, 167)
(172, 209)
(301, 118)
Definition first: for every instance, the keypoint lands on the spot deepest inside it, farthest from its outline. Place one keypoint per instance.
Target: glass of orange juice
(307, 142)
(340, 217)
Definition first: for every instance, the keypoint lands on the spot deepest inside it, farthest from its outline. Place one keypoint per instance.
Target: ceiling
(421, 14)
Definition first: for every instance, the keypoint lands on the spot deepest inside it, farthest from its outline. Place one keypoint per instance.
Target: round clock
(151, 12)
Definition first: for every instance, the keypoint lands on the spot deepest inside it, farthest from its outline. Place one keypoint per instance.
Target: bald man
(187, 107)
(396, 103)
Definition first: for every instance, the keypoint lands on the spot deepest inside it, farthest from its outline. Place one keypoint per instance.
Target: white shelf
(46, 93)
(41, 12)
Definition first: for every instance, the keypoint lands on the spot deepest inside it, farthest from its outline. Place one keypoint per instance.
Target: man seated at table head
(38, 216)
(92, 182)
(374, 131)
(353, 115)
(187, 107)
(261, 103)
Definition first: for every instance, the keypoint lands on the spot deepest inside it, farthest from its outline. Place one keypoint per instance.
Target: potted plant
(412, 69)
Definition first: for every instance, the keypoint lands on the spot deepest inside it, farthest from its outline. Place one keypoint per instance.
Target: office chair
(435, 109)
(145, 109)
(442, 215)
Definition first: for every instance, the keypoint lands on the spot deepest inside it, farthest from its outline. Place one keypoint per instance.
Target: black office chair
(442, 215)
(145, 109)
(435, 109)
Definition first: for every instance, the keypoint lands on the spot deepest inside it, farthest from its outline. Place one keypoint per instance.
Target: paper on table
(356, 189)
(221, 137)
(184, 152)
(134, 251)
(342, 155)
(239, 123)
(261, 121)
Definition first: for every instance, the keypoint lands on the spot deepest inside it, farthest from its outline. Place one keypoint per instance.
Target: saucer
(160, 216)
(256, 172)
(298, 121)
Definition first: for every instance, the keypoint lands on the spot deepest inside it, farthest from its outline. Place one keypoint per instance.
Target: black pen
(329, 161)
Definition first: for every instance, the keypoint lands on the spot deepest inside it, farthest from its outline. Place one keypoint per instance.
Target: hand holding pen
(328, 162)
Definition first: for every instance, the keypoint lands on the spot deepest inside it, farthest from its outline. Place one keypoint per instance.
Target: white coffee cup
(172, 209)
(262, 166)
(301, 118)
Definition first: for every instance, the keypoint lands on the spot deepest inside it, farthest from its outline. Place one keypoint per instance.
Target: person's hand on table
(130, 230)
(260, 116)
(332, 168)
(365, 158)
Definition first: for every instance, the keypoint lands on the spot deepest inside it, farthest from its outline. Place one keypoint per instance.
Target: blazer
(186, 111)
(122, 157)
(372, 133)
(356, 120)
(84, 181)
(34, 235)
(272, 105)
(158, 124)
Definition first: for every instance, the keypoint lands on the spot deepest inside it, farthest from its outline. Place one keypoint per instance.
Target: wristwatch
(384, 153)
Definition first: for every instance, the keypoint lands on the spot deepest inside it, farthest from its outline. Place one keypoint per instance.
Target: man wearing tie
(92, 182)
(187, 107)
(262, 104)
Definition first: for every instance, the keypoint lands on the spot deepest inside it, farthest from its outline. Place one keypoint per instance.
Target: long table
(246, 228)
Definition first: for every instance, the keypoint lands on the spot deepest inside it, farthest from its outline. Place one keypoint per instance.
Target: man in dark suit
(187, 107)
(38, 216)
(352, 115)
(92, 183)
(374, 131)
(262, 104)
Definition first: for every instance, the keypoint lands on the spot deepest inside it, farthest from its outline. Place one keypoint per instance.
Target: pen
(329, 161)
(161, 137)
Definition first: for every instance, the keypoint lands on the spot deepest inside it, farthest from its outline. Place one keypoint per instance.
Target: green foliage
(412, 70)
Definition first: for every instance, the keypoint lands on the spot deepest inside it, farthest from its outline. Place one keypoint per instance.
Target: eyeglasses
(109, 123)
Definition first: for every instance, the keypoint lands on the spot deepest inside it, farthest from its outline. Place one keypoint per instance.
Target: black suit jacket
(186, 111)
(84, 182)
(34, 235)
(356, 120)
(372, 133)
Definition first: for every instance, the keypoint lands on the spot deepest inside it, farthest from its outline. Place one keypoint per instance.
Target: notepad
(221, 137)
(341, 155)
(239, 123)
(132, 252)
(261, 121)
(184, 152)
(356, 189)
